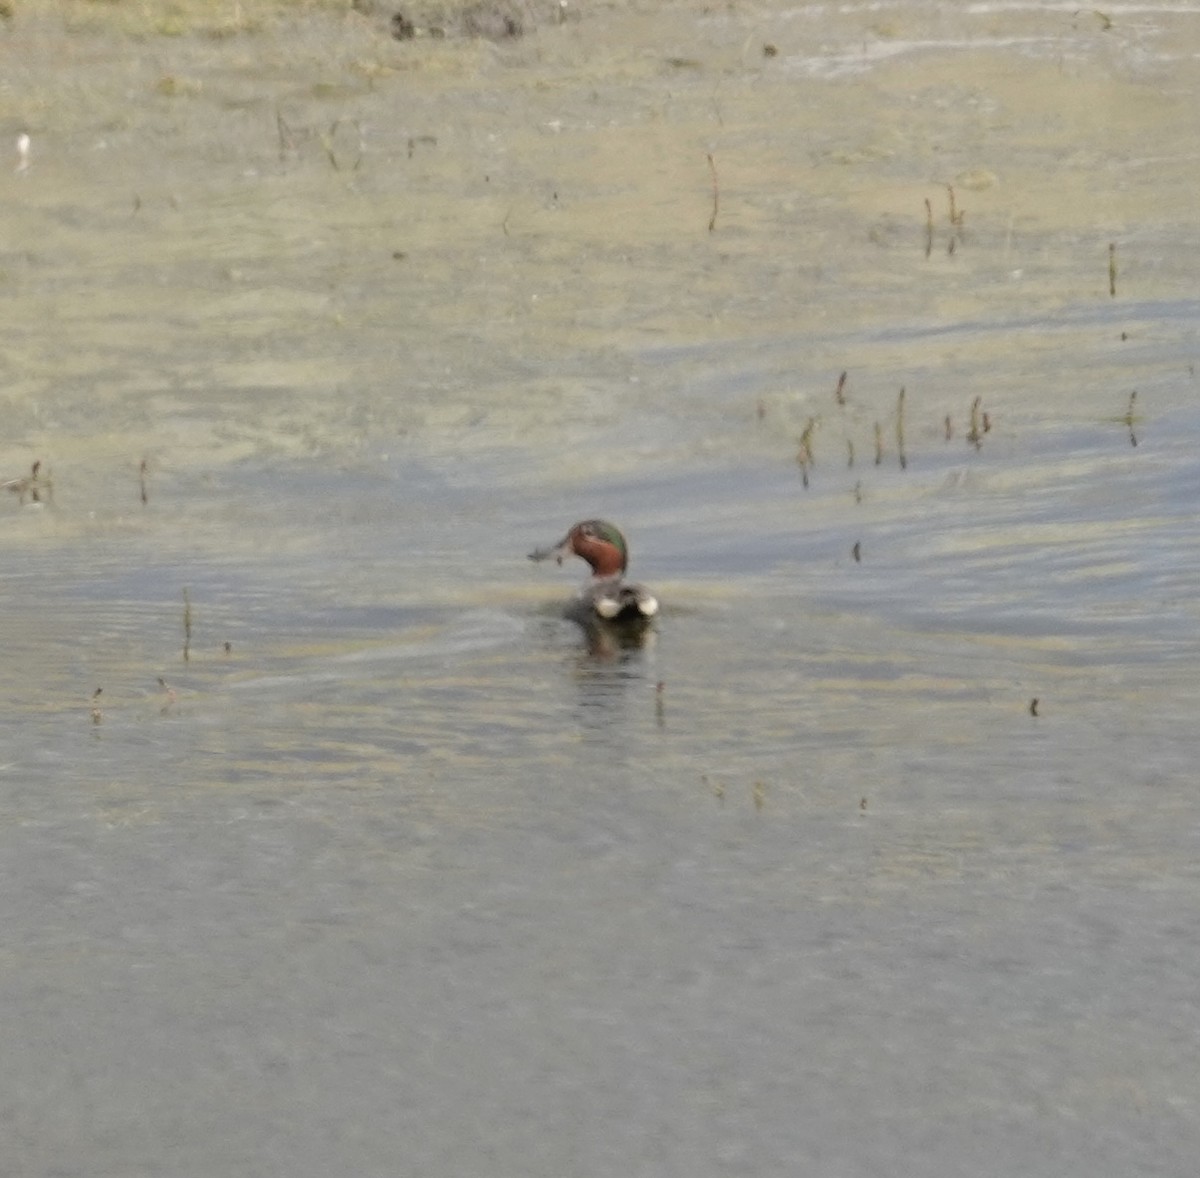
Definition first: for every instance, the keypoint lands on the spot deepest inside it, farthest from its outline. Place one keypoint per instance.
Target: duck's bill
(555, 552)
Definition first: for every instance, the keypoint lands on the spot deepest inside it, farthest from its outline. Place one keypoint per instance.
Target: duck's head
(596, 541)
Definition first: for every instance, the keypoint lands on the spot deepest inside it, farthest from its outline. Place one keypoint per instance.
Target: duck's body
(606, 598)
(611, 599)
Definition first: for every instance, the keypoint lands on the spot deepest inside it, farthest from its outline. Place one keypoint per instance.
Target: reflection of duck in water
(607, 600)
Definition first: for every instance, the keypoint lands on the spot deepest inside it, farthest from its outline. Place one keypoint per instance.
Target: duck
(606, 598)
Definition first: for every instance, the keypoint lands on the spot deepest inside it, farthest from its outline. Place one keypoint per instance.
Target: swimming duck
(606, 597)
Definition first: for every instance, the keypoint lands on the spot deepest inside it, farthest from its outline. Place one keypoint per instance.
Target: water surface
(392, 874)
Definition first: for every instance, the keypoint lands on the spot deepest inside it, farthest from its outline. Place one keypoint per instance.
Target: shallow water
(392, 874)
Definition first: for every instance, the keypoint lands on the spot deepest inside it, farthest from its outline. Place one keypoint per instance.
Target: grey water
(879, 857)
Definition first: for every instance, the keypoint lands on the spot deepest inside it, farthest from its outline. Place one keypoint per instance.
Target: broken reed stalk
(840, 392)
(33, 484)
(804, 456)
(900, 431)
(1129, 412)
(1112, 269)
(956, 216)
(976, 432)
(287, 141)
(168, 694)
(187, 626)
(716, 192)
(1130, 418)
(956, 221)
(807, 436)
(328, 142)
(142, 472)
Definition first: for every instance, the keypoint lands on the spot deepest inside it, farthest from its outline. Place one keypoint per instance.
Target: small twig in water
(1130, 417)
(840, 392)
(97, 714)
(143, 470)
(956, 215)
(900, 431)
(804, 456)
(287, 141)
(327, 141)
(807, 436)
(976, 432)
(169, 692)
(956, 222)
(716, 193)
(187, 626)
(33, 484)
(1112, 269)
